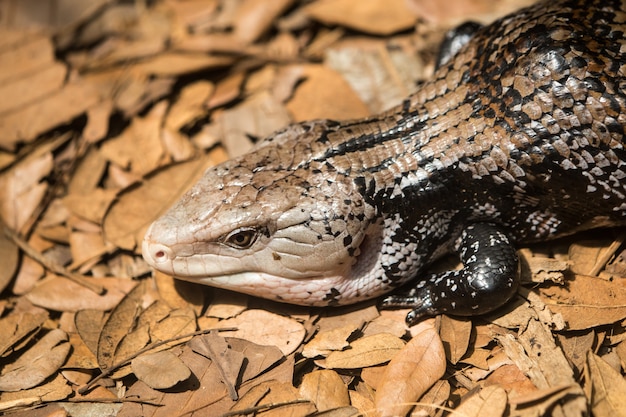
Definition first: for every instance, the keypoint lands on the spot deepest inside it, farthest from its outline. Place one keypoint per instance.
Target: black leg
(489, 278)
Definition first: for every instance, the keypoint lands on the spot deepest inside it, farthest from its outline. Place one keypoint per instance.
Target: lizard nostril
(159, 254)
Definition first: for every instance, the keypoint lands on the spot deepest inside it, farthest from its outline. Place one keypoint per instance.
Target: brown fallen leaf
(381, 17)
(36, 364)
(584, 254)
(609, 388)
(265, 328)
(31, 87)
(432, 400)
(411, 372)
(88, 323)
(160, 370)
(254, 17)
(56, 389)
(201, 390)
(18, 328)
(366, 351)
(325, 389)
(51, 292)
(147, 149)
(9, 253)
(91, 205)
(324, 94)
(27, 123)
(273, 393)
(325, 342)
(259, 359)
(27, 55)
(259, 116)
(489, 401)
(121, 321)
(587, 302)
(21, 189)
(455, 335)
(228, 361)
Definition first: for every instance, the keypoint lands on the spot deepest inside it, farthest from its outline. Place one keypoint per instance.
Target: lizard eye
(241, 238)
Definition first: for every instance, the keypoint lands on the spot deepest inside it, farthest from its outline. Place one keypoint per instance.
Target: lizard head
(273, 223)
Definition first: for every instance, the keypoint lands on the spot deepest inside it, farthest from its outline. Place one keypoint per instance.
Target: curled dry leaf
(160, 370)
(35, 365)
(366, 351)
(411, 372)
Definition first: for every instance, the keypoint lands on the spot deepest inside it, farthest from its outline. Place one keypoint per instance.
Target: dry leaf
(411, 372)
(9, 254)
(35, 365)
(325, 342)
(584, 255)
(265, 328)
(258, 358)
(324, 94)
(31, 87)
(88, 325)
(489, 401)
(147, 149)
(325, 389)
(609, 388)
(91, 205)
(227, 360)
(189, 105)
(19, 328)
(121, 321)
(30, 54)
(366, 351)
(255, 17)
(381, 17)
(21, 189)
(55, 390)
(455, 335)
(587, 302)
(434, 398)
(160, 370)
(51, 292)
(200, 390)
(274, 392)
(44, 114)
(381, 76)
(259, 116)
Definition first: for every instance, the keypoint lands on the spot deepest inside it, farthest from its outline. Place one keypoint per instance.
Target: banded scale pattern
(519, 137)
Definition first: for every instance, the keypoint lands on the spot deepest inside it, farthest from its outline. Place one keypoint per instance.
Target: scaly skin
(518, 138)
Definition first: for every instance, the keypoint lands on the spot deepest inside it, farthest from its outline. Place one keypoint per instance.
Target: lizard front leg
(489, 278)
